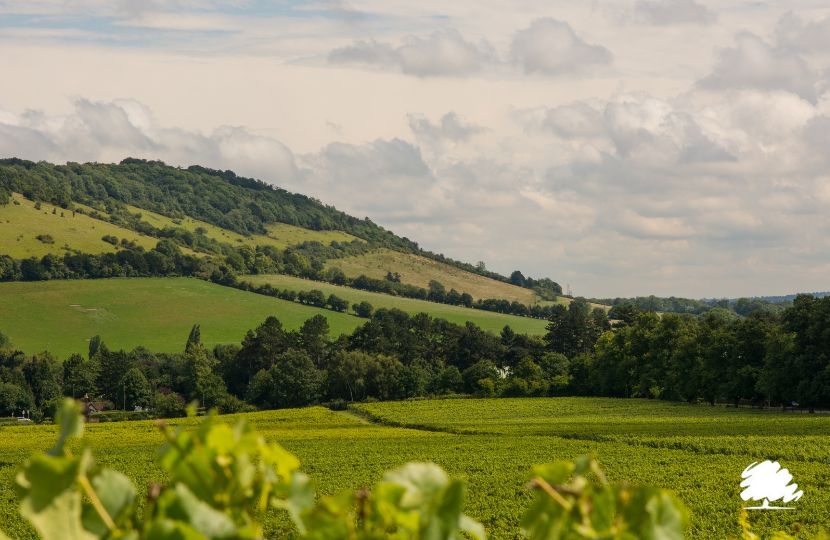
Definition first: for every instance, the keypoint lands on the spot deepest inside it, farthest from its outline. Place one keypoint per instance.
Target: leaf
(50, 500)
(656, 514)
(69, 418)
(554, 473)
(421, 481)
(117, 495)
(181, 504)
(472, 528)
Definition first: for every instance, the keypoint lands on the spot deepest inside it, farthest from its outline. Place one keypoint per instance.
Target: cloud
(672, 12)
(755, 63)
(808, 37)
(575, 120)
(441, 53)
(551, 47)
(387, 180)
(451, 127)
(111, 131)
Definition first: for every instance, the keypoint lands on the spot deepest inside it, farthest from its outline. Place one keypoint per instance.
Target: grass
(341, 451)
(417, 270)
(20, 224)
(280, 235)
(61, 316)
(487, 320)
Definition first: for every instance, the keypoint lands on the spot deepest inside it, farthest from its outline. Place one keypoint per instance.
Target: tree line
(762, 359)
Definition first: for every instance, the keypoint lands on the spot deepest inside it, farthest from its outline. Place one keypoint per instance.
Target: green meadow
(21, 223)
(61, 316)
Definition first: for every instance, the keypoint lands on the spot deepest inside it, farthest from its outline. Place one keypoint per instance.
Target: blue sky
(622, 147)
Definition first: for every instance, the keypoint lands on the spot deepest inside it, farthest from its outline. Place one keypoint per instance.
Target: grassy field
(280, 235)
(343, 451)
(21, 223)
(493, 322)
(158, 313)
(417, 270)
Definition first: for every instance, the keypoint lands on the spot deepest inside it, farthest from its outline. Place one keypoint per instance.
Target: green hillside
(487, 320)
(235, 211)
(21, 223)
(61, 316)
(279, 235)
(419, 271)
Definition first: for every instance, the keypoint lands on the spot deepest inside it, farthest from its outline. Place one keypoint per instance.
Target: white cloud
(551, 47)
(451, 127)
(671, 12)
(755, 63)
(442, 53)
(111, 131)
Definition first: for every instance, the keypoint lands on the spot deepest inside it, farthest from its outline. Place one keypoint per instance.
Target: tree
(347, 375)
(94, 344)
(475, 375)
(135, 390)
(195, 337)
(292, 381)
(13, 399)
(259, 350)
(169, 405)
(384, 379)
(517, 278)
(336, 303)
(449, 381)
(575, 329)
(363, 309)
(113, 367)
(79, 376)
(314, 338)
(43, 374)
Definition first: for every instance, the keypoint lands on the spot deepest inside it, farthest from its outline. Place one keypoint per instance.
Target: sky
(625, 147)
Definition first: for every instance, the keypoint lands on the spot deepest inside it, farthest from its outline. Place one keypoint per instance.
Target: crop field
(487, 320)
(20, 224)
(61, 316)
(698, 451)
(280, 235)
(417, 270)
(493, 443)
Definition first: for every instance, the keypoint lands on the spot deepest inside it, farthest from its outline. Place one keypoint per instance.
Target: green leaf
(70, 419)
(421, 482)
(656, 514)
(117, 495)
(50, 500)
(554, 473)
(472, 528)
(181, 504)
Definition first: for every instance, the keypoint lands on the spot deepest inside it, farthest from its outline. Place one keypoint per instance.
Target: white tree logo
(767, 481)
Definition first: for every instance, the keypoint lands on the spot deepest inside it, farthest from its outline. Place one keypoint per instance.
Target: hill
(279, 235)
(60, 230)
(487, 320)
(216, 211)
(61, 316)
(419, 271)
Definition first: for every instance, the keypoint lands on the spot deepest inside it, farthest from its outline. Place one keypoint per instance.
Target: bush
(169, 405)
(45, 238)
